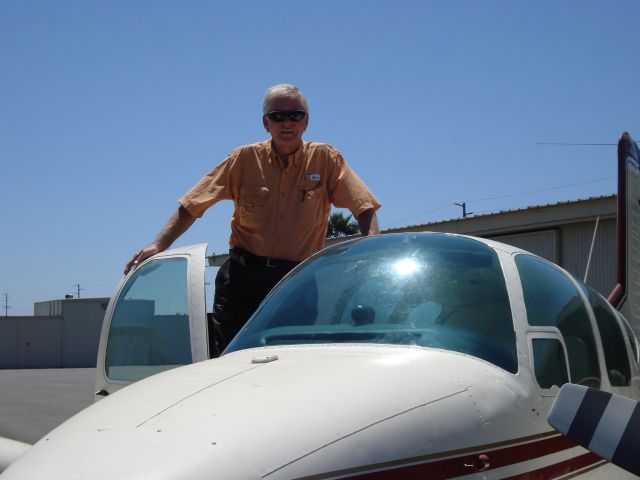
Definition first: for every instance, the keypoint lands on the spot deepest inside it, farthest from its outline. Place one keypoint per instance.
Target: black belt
(252, 259)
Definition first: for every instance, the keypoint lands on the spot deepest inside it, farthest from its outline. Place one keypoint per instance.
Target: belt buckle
(270, 263)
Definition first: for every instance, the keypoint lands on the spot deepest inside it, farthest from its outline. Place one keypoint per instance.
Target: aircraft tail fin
(626, 294)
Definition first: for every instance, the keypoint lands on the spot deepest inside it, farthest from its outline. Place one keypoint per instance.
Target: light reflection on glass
(406, 266)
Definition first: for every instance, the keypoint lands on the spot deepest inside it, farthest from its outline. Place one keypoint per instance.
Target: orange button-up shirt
(281, 211)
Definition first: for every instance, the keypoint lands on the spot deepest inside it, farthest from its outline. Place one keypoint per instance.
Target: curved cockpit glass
(428, 290)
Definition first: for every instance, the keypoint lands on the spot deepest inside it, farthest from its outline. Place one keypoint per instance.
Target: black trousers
(242, 283)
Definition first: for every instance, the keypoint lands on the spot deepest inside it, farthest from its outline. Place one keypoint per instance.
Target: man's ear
(265, 123)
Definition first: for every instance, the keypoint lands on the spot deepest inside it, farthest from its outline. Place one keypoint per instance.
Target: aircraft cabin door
(155, 321)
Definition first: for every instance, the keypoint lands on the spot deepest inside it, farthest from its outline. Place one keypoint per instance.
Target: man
(282, 190)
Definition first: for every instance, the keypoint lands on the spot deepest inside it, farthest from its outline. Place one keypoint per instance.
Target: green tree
(341, 225)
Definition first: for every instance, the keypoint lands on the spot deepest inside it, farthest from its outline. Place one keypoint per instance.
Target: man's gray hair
(282, 89)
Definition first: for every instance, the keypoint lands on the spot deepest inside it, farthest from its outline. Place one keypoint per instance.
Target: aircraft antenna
(593, 242)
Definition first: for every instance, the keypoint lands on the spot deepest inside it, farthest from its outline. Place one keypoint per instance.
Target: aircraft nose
(149, 453)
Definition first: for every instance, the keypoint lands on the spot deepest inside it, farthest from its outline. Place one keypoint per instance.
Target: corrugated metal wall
(542, 242)
(49, 308)
(569, 245)
(576, 242)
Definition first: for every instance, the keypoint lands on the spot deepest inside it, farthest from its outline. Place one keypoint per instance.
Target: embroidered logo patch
(314, 177)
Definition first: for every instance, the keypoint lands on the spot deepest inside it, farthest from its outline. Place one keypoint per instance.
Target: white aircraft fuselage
(330, 410)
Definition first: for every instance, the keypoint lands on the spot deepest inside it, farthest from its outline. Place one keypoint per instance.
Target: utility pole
(78, 285)
(6, 305)
(464, 209)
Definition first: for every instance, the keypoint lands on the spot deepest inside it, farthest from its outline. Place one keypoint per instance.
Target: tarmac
(34, 402)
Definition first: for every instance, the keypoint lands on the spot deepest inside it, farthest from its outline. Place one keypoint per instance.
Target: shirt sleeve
(212, 188)
(349, 191)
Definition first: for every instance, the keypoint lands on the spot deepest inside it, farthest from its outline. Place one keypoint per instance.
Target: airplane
(418, 355)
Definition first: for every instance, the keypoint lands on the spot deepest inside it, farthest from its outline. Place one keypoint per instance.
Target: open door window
(155, 321)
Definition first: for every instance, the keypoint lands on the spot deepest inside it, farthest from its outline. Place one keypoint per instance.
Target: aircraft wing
(605, 423)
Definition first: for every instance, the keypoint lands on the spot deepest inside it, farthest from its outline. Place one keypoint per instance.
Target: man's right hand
(141, 256)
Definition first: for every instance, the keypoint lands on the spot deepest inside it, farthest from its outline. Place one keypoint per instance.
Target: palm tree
(341, 225)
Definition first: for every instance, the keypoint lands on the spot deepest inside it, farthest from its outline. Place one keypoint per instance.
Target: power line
(499, 197)
(558, 187)
(420, 214)
(57, 291)
(581, 144)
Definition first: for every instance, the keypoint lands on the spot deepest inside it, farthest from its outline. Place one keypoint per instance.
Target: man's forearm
(178, 223)
(368, 222)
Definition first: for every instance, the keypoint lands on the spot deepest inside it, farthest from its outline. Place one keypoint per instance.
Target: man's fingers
(137, 258)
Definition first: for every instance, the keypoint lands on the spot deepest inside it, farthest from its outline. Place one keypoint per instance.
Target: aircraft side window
(149, 330)
(552, 300)
(549, 362)
(633, 340)
(615, 351)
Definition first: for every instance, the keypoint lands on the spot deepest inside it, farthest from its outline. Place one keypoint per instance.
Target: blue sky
(111, 110)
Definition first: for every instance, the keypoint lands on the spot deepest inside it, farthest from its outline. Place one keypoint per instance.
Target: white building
(61, 334)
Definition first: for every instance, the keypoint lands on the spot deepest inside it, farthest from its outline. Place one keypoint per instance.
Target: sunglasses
(280, 116)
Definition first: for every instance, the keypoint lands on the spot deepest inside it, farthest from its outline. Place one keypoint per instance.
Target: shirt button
(283, 194)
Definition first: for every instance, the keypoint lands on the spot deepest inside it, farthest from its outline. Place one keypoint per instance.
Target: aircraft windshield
(435, 291)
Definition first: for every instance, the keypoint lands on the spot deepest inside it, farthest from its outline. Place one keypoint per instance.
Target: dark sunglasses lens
(296, 116)
(277, 116)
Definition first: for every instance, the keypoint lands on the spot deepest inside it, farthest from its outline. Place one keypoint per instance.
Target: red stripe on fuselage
(466, 464)
(559, 469)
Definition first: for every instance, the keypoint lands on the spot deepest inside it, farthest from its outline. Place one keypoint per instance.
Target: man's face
(286, 135)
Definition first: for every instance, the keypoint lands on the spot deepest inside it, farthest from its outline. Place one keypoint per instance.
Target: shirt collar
(295, 158)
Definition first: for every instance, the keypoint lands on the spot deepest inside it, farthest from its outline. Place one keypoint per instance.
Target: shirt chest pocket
(312, 203)
(253, 205)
